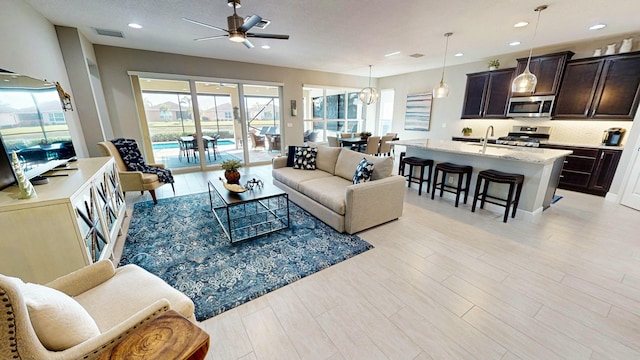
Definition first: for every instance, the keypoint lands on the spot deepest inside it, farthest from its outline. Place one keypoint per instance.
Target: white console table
(73, 222)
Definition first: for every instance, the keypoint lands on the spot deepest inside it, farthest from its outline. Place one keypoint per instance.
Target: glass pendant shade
(441, 91)
(369, 95)
(524, 83)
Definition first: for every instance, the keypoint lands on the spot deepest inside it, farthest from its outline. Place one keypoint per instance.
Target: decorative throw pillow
(364, 170)
(59, 321)
(305, 158)
(291, 154)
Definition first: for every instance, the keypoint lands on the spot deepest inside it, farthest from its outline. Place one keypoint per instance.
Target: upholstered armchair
(256, 140)
(80, 314)
(132, 180)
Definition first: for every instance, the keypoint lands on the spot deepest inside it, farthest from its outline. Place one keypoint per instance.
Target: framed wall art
(418, 113)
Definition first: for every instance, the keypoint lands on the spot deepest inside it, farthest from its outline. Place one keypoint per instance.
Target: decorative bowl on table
(234, 188)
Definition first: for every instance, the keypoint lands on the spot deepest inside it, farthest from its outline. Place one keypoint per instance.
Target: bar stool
(449, 168)
(421, 164)
(502, 178)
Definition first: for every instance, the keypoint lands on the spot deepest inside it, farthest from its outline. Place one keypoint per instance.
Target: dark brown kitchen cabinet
(548, 69)
(605, 88)
(487, 94)
(588, 170)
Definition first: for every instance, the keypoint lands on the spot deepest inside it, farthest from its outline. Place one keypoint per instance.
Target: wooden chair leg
(153, 196)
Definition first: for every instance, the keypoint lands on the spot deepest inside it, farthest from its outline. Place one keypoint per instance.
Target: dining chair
(373, 143)
(346, 135)
(333, 141)
(385, 146)
(184, 151)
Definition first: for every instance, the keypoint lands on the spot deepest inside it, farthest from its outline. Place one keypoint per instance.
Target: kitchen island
(541, 168)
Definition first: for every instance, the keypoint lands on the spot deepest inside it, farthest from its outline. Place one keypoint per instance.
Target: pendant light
(526, 82)
(442, 90)
(369, 95)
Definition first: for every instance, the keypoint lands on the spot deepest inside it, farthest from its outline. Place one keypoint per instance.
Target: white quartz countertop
(525, 154)
(598, 146)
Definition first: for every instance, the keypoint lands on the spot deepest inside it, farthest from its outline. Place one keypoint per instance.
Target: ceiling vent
(107, 32)
(416, 55)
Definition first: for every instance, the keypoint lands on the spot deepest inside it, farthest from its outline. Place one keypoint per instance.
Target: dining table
(206, 140)
(353, 142)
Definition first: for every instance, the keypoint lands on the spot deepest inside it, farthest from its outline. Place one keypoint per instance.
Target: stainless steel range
(525, 136)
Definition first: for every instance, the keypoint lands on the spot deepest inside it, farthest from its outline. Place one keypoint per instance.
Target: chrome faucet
(486, 135)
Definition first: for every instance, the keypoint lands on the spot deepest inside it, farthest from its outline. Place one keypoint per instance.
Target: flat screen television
(7, 177)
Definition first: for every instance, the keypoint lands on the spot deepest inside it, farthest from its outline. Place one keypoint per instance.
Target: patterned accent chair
(132, 180)
(79, 315)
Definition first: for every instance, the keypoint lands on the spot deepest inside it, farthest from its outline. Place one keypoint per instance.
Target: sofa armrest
(81, 280)
(279, 162)
(161, 166)
(131, 180)
(97, 345)
(373, 203)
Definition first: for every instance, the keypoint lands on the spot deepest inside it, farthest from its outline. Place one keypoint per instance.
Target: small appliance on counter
(613, 136)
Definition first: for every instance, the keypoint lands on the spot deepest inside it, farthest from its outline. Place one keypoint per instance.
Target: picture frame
(418, 111)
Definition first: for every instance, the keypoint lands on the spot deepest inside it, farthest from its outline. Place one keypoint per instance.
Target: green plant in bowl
(231, 172)
(466, 131)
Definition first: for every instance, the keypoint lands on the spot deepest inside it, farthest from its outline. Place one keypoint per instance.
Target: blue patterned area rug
(180, 241)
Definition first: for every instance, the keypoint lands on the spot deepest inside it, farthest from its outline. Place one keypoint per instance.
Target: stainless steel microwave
(531, 106)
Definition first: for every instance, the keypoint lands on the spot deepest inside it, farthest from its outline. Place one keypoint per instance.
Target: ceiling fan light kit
(526, 82)
(238, 27)
(442, 90)
(369, 95)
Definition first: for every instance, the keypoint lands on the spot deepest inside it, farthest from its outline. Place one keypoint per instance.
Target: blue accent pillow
(305, 158)
(363, 172)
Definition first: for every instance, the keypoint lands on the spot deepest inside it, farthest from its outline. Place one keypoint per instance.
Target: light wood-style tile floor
(445, 283)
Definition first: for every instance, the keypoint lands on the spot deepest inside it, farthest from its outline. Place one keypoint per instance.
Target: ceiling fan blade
(248, 44)
(251, 22)
(268, 36)
(210, 37)
(205, 25)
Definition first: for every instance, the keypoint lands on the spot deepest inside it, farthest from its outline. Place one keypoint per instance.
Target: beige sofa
(329, 194)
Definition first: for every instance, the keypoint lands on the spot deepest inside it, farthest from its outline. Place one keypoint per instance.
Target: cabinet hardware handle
(566, 162)
(601, 156)
(561, 176)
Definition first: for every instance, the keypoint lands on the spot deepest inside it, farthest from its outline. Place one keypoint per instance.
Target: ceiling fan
(238, 27)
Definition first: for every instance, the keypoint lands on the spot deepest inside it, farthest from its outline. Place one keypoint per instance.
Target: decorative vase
(625, 47)
(491, 68)
(233, 177)
(611, 49)
(597, 52)
(466, 133)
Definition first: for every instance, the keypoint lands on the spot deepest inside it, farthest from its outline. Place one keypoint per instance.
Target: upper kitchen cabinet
(548, 69)
(487, 94)
(605, 88)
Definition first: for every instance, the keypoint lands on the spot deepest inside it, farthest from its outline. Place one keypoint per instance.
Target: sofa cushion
(329, 191)
(348, 160)
(363, 172)
(305, 158)
(59, 321)
(293, 177)
(326, 159)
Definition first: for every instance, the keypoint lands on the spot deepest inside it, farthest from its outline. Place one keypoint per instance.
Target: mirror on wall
(32, 121)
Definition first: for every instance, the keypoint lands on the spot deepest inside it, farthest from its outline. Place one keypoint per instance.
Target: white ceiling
(345, 36)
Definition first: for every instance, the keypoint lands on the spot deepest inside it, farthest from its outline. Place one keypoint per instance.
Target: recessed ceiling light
(393, 53)
(597, 27)
(520, 24)
(266, 47)
(458, 54)
(135, 26)
(514, 43)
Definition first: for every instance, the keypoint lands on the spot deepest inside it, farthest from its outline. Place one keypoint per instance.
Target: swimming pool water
(174, 145)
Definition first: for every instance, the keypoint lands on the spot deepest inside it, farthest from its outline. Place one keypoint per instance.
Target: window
(386, 110)
(329, 111)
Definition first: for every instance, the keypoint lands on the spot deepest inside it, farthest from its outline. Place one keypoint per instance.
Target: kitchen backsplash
(576, 132)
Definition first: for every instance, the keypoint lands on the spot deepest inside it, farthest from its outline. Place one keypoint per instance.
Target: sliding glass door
(189, 124)
(331, 111)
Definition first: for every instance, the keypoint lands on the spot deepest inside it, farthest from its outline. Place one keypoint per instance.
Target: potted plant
(466, 131)
(365, 135)
(494, 64)
(231, 172)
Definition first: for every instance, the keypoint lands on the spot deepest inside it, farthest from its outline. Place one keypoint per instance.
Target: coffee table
(256, 212)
